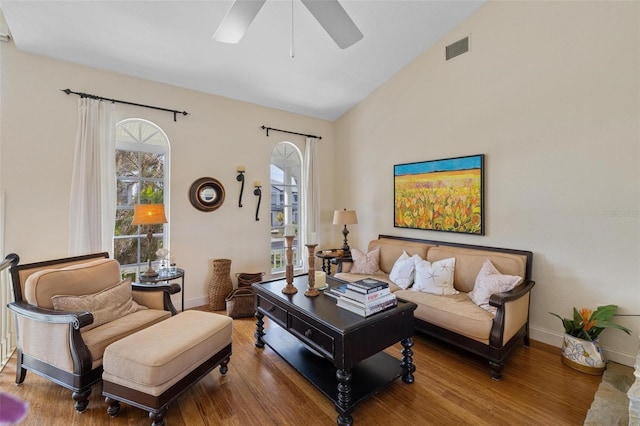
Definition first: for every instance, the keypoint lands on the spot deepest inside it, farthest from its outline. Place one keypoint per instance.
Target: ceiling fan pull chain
(292, 51)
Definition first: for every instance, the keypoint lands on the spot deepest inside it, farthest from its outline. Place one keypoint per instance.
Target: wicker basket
(241, 303)
(245, 279)
(220, 285)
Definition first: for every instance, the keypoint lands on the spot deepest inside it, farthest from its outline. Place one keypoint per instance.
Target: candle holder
(312, 291)
(240, 178)
(289, 288)
(258, 193)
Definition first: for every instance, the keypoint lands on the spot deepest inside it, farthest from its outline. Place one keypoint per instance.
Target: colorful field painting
(440, 195)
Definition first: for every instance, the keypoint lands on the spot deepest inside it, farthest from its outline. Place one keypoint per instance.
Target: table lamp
(345, 217)
(149, 214)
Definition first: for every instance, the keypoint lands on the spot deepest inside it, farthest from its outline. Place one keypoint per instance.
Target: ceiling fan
(329, 13)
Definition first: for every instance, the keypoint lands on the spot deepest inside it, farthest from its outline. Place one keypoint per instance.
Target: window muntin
(286, 173)
(142, 166)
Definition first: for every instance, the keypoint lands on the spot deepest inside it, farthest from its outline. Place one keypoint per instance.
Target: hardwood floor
(451, 388)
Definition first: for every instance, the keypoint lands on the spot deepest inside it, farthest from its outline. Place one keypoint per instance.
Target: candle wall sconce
(258, 193)
(240, 178)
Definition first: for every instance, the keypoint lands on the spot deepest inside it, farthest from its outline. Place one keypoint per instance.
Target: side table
(165, 276)
(329, 258)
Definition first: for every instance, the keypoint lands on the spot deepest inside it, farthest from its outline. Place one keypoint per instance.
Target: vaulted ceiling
(171, 42)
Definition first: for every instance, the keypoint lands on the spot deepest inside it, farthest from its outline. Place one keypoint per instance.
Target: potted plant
(581, 349)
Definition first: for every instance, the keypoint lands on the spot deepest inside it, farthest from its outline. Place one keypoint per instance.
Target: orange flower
(585, 314)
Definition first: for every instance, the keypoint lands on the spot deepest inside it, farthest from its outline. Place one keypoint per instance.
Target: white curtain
(92, 206)
(311, 202)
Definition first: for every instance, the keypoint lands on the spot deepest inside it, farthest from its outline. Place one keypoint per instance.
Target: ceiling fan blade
(335, 21)
(237, 20)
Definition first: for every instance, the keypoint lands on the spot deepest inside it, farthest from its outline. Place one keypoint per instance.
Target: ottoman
(151, 368)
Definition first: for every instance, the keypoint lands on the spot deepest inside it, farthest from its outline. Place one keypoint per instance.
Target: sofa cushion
(470, 261)
(105, 305)
(390, 251)
(456, 313)
(99, 338)
(490, 281)
(436, 277)
(368, 263)
(75, 280)
(403, 271)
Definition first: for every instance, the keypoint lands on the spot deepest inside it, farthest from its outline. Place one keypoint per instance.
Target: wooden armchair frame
(84, 375)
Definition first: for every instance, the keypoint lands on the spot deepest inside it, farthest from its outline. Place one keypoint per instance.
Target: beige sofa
(455, 318)
(66, 345)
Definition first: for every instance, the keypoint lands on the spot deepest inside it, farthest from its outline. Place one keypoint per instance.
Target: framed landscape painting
(440, 195)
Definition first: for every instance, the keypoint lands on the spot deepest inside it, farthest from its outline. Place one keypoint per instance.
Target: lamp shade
(148, 214)
(345, 217)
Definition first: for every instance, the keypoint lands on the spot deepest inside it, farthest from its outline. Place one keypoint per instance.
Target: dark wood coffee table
(339, 352)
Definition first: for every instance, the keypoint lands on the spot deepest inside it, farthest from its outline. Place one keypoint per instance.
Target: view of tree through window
(142, 152)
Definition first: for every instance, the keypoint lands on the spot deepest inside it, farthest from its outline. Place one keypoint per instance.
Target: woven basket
(220, 285)
(245, 279)
(241, 303)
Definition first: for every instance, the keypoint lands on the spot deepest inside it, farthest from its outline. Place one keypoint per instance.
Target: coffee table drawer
(273, 311)
(312, 336)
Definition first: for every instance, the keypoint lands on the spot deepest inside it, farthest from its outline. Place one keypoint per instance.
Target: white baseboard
(194, 303)
(555, 339)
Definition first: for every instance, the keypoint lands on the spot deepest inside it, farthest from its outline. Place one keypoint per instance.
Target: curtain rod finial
(67, 91)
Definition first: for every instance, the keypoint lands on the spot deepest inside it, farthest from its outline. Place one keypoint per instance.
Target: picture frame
(440, 195)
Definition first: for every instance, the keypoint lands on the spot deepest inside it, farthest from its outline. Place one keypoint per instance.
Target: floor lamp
(149, 214)
(345, 217)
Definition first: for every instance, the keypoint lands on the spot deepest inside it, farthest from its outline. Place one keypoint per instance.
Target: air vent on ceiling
(457, 48)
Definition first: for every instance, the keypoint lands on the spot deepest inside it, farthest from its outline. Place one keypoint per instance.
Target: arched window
(142, 176)
(286, 175)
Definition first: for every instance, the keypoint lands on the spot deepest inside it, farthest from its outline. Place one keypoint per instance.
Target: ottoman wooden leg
(158, 417)
(114, 406)
(223, 366)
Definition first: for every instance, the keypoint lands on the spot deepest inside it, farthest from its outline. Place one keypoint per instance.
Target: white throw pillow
(365, 263)
(436, 277)
(490, 281)
(403, 271)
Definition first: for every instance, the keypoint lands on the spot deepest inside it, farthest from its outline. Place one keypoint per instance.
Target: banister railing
(7, 327)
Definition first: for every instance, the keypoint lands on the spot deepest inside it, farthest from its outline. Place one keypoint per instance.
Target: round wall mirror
(206, 194)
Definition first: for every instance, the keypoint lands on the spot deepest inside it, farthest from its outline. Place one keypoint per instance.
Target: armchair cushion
(105, 306)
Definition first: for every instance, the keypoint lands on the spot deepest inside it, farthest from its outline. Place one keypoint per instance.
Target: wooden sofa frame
(83, 376)
(495, 352)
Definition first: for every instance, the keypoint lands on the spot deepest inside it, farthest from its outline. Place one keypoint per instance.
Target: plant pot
(583, 355)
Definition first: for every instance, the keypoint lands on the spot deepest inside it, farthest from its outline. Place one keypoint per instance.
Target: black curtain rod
(86, 95)
(287, 131)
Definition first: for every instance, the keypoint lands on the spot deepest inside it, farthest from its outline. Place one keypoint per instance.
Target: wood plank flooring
(451, 388)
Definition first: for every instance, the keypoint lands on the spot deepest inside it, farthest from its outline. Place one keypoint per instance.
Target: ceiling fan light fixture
(237, 20)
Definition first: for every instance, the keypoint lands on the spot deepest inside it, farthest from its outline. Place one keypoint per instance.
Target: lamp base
(149, 273)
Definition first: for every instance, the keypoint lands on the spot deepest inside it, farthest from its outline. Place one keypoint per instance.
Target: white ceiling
(171, 42)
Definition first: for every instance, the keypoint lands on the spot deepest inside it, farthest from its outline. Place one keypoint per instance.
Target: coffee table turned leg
(408, 367)
(344, 398)
(259, 330)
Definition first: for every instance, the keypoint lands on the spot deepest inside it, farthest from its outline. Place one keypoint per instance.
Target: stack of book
(366, 297)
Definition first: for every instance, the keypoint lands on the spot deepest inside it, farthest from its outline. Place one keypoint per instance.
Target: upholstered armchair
(69, 310)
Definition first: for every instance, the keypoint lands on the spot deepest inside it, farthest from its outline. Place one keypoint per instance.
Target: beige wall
(550, 94)
(37, 141)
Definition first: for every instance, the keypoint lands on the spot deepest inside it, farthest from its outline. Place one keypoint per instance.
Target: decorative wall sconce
(258, 193)
(240, 178)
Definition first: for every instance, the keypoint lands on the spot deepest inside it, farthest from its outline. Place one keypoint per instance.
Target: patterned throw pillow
(403, 272)
(490, 281)
(105, 306)
(365, 263)
(436, 277)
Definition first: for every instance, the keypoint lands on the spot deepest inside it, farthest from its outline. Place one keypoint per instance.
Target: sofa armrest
(156, 296)
(46, 326)
(512, 313)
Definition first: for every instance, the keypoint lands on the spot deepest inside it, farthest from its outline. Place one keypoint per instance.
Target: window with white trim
(285, 184)
(142, 176)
